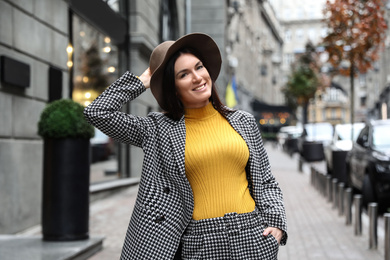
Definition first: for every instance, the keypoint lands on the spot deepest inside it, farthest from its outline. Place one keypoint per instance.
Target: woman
(206, 190)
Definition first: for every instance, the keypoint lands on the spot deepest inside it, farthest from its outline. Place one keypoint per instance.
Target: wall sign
(14, 72)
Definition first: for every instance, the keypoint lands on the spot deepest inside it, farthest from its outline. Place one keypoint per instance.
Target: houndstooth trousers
(233, 236)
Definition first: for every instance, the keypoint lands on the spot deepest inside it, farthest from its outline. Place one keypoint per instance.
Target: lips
(201, 87)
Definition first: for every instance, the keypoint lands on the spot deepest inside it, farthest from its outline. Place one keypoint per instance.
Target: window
(288, 35)
(363, 101)
(299, 34)
(169, 21)
(363, 137)
(300, 14)
(311, 12)
(95, 66)
(333, 113)
(95, 61)
(288, 58)
(286, 14)
(362, 80)
(263, 70)
(312, 35)
(274, 80)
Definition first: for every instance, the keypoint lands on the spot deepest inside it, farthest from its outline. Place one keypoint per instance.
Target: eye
(200, 67)
(182, 75)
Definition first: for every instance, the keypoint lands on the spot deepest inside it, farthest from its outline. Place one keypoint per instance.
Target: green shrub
(64, 118)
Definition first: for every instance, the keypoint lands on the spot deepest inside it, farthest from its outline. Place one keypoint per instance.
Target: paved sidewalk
(315, 229)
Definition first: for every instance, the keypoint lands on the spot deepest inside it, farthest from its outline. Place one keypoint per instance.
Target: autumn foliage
(356, 32)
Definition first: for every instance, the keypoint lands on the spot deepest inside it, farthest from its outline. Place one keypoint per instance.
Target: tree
(303, 81)
(356, 31)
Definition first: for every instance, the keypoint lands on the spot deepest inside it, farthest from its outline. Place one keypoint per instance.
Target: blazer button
(167, 190)
(159, 219)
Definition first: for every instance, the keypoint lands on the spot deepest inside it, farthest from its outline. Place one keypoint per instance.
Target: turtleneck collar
(200, 113)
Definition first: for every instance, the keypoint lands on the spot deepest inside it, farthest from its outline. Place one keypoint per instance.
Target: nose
(196, 77)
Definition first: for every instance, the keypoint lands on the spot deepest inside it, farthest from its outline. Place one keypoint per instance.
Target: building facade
(254, 51)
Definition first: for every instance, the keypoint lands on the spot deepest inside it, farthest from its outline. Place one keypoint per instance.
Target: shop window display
(94, 63)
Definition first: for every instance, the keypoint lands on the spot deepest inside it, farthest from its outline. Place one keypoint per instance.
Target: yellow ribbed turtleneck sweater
(215, 160)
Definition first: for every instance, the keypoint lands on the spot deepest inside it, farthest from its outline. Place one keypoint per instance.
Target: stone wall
(35, 33)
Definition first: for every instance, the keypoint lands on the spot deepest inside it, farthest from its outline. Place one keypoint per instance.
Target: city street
(290, 64)
(315, 229)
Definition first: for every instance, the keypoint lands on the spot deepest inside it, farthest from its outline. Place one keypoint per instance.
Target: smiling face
(192, 81)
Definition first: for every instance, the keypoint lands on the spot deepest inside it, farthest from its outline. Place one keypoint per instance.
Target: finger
(145, 78)
(267, 231)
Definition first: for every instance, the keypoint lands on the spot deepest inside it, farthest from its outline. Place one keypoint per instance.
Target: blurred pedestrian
(206, 189)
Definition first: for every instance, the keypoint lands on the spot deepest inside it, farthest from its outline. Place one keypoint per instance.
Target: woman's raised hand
(145, 78)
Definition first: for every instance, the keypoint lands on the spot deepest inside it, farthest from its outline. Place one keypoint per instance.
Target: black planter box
(65, 201)
(313, 151)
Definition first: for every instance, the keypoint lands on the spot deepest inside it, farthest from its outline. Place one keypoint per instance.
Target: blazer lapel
(177, 135)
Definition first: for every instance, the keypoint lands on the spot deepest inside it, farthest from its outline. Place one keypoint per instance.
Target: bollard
(373, 226)
(348, 206)
(387, 235)
(341, 199)
(329, 187)
(300, 164)
(316, 179)
(312, 176)
(323, 184)
(334, 189)
(319, 182)
(357, 201)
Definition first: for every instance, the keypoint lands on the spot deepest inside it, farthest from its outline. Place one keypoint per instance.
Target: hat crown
(158, 55)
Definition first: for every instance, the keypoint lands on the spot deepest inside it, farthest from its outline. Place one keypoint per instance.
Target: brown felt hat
(202, 43)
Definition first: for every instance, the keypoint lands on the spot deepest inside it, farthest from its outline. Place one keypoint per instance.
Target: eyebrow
(183, 70)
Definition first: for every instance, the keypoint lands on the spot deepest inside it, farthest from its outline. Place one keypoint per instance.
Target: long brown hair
(174, 107)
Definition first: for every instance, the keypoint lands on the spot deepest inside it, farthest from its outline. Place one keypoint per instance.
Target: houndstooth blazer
(165, 201)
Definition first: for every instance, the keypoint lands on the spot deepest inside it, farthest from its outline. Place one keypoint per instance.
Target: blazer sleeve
(266, 190)
(104, 112)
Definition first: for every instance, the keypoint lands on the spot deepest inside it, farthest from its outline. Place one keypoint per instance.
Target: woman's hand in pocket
(276, 232)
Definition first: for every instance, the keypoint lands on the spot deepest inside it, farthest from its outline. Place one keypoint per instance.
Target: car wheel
(368, 191)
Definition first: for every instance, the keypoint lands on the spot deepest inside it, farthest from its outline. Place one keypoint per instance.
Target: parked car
(287, 138)
(368, 163)
(314, 137)
(341, 142)
(102, 146)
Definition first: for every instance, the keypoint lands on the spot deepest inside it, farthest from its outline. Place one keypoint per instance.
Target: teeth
(199, 87)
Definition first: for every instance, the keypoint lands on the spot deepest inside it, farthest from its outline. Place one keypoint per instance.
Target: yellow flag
(230, 95)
